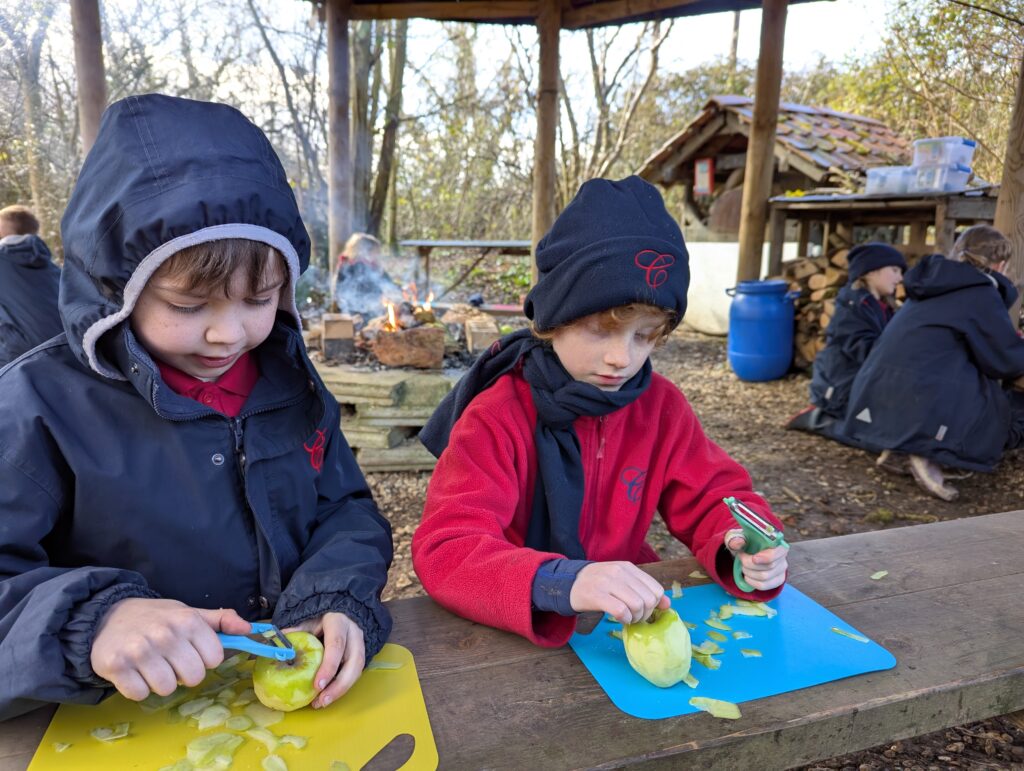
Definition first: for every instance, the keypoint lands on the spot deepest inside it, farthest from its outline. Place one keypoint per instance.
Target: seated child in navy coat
(863, 308)
(935, 385)
(560, 444)
(172, 466)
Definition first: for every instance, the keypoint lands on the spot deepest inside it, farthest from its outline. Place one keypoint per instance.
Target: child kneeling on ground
(933, 387)
(863, 308)
(173, 466)
(560, 443)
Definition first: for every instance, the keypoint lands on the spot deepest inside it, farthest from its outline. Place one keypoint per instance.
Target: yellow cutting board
(383, 704)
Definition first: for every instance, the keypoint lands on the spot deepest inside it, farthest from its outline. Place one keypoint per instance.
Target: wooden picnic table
(949, 610)
(482, 248)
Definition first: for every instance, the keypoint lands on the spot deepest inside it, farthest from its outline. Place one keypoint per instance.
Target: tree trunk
(392, 115)
(361, 123)
(1010, 206)
(92, 79)
(340, 202)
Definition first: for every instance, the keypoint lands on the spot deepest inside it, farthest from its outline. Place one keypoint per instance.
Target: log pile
(818, 279)
(383, 411)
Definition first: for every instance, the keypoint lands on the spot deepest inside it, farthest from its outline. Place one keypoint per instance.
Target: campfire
(407, 334)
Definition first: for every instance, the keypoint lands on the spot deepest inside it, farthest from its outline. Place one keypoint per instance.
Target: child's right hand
(620, 589)
(145, 646)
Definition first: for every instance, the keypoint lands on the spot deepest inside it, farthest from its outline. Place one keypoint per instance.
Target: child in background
(863, 308)
(29, 282)
(933, 387)
(560, 443)
(173, 466)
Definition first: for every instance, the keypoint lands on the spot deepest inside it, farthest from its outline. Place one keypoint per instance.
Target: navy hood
(29, 251)
(165, 174)
(936, 275)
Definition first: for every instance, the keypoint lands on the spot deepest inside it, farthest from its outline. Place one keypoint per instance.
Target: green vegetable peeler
(759, 533)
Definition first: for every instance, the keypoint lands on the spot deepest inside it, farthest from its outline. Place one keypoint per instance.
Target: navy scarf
(559, 400)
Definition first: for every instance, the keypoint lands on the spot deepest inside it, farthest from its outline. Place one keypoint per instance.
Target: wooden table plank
(948, 610)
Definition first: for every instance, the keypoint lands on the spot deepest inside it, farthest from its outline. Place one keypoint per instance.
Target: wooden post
(761, 142)
(549, 23)
(339, 156)
(1010, 205)
(945, 227)
(803, 237)
(777, 231)
(92, 79)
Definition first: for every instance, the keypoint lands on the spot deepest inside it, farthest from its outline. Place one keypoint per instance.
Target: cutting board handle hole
(395, 754)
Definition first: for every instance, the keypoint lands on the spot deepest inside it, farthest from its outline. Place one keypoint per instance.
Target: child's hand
(344, 647)
(620, 589)
(145, 646)
(764, 570)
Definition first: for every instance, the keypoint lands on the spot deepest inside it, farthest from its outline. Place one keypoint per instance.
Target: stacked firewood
(818, 279)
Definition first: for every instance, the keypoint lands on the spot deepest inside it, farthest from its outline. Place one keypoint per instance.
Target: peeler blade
(752, 518)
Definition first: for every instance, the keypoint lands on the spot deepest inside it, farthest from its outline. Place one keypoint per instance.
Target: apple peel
(716, 707)
(110, 733)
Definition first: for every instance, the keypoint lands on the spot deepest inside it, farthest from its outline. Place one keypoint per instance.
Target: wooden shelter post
(549, 23)
(1010, 206)
(761, 142)
(89, 71)
(339, 177)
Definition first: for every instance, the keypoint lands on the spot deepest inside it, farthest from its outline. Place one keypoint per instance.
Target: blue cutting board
(798, 649)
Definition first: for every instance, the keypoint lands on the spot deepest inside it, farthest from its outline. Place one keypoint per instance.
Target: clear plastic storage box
(888, 180)
(944, 151)
(940, 179)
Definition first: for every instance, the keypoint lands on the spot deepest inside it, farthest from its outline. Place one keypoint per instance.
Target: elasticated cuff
(79, 633)
(374, 621)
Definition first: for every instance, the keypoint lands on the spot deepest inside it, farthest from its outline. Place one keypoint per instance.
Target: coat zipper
(590, 482)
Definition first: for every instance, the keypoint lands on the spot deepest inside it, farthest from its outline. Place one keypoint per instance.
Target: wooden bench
(482, 248)
(949, 610)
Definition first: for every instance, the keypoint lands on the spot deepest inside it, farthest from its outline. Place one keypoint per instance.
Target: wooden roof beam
(470, 10)
(617, 10)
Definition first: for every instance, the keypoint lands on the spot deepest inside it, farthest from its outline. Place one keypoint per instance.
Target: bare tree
(24, 27)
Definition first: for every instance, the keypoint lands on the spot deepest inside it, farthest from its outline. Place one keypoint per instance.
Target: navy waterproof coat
(858, 321)
(114, 486)
(933, 384)
(28, 296)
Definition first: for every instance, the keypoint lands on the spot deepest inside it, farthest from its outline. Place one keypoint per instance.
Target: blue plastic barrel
(761, 329)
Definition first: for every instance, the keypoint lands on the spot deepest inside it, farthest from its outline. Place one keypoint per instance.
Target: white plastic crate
(944, 151)
(940, 179)
(888, 180)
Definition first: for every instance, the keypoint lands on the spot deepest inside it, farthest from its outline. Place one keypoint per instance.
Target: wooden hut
(814, 148)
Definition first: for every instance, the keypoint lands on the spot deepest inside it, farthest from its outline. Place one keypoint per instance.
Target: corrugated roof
(836, 143)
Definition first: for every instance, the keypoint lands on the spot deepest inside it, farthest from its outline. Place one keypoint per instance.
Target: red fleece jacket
(649, 456)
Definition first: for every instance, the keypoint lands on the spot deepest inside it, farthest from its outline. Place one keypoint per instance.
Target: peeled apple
(659, 648)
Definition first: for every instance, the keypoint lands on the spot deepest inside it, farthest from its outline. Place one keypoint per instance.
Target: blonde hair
(619, 316)
(209, 266)
(361, 246)
(982, 246)
(20, 220)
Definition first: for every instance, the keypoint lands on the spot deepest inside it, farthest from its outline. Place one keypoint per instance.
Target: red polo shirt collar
(227, 394)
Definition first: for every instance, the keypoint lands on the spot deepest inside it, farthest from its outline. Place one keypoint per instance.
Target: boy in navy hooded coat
(28, 285)
(173, 466)
(863, 308)
(935, 385)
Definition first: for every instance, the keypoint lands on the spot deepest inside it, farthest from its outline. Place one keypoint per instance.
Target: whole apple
(659, 648)
(288, 685)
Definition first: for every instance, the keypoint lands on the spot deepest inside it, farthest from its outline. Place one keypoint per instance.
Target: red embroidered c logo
(316, 450)
(655, 265)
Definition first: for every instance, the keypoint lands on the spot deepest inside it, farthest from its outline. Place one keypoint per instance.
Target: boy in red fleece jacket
(560, 443)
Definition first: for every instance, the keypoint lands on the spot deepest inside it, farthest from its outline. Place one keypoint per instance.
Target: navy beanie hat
(865, 258)
(614, 244)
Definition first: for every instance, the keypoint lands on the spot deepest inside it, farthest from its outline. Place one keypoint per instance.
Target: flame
(426, 303)
(392, 319)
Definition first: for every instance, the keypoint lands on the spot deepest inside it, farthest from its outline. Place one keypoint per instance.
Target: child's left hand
(344, 655)
(764, 570)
